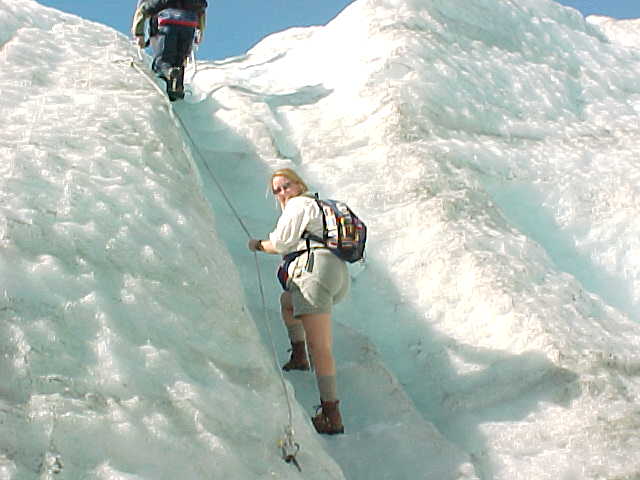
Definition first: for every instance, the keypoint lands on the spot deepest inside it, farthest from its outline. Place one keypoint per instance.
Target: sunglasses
(282, 188)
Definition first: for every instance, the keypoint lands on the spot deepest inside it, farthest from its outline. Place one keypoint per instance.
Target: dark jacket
(142, 13)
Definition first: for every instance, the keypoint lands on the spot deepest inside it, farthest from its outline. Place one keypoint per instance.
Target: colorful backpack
(343, 231)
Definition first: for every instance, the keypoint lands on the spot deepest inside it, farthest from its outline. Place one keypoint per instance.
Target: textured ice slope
(125, 347)
(492, 147)
(493, 334)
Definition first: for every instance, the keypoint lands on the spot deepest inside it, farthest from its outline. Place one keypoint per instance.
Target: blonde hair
(292, 176)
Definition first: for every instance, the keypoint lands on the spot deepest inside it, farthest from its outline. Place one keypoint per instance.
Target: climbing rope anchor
(290, 448)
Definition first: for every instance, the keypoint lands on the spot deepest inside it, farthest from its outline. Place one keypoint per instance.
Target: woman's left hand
(254, 245)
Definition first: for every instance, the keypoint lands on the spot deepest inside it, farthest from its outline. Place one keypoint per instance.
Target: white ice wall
(491, 147)
(125, 347)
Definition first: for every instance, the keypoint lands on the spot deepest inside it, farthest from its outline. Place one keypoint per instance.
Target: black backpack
(153, 7)
(198, 6)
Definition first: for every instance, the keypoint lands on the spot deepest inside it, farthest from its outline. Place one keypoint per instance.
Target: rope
(288, 445)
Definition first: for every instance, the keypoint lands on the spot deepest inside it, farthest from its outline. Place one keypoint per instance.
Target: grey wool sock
(328, 388)
(296, 333)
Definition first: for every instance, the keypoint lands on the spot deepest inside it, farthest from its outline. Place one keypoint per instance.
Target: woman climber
(314, 280)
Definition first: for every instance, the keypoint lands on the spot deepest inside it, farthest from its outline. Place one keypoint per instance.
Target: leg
(295, 329)
(318, 330)
(169, 54)
(317, 327)
(157, 47)
(184, 43)
(286, 309)
(313, 294)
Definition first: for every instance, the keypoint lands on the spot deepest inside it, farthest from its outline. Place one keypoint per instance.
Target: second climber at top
(173, 26)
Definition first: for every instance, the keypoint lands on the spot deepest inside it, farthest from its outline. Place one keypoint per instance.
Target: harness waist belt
(184, 23)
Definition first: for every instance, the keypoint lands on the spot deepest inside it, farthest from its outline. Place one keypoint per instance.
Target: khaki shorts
(316, 291)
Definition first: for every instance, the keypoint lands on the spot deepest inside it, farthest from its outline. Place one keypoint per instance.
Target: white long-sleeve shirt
(300, 214)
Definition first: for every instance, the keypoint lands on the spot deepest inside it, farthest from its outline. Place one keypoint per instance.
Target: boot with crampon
(328, 420)
(298, 360)
(175, 85)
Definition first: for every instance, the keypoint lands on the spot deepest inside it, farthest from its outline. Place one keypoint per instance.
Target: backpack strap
(310, 236)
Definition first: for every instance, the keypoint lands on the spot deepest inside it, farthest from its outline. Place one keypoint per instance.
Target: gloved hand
(145, 9)
(254, 245)
(140, 41)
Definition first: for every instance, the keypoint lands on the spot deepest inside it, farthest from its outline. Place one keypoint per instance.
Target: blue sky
(235, 26)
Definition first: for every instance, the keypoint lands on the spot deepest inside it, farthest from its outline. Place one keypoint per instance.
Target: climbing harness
(289, 447)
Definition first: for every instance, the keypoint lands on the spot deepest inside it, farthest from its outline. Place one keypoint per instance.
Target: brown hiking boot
(298, 360)
(329, 420)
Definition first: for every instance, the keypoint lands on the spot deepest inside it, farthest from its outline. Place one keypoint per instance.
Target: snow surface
(492, 334)
(624, 32)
